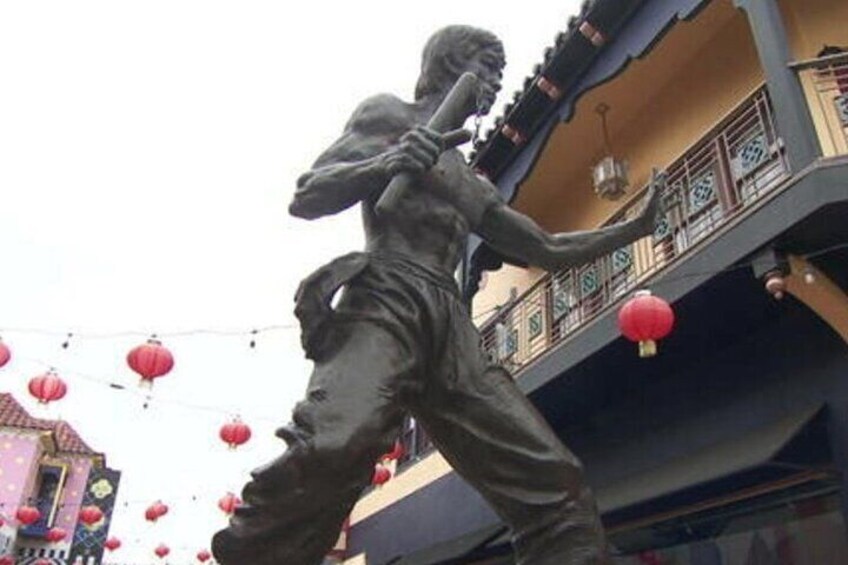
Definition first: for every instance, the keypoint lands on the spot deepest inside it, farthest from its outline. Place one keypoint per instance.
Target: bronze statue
(401, 341)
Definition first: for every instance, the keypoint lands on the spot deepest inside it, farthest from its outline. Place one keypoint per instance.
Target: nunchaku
(449, 118)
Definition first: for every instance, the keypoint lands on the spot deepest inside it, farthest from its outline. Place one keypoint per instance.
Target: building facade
(731, 445)
(46, 464)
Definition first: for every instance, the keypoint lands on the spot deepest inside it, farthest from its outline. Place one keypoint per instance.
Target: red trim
(549, 87)
(594, 35)
(512, 134)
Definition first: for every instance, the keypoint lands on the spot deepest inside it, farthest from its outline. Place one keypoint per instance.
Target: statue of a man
(400, 341)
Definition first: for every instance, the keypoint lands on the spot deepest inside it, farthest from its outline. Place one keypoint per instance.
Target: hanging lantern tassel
(645, 319)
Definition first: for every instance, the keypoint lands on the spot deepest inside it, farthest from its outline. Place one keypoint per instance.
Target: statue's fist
(418, 150)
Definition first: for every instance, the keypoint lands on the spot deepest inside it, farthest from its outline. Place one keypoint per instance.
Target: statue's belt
(315, 294)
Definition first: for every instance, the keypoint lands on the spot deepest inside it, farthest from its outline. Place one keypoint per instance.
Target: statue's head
(455, 49)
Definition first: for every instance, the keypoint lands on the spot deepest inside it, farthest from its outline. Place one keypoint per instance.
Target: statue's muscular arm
(379, 141)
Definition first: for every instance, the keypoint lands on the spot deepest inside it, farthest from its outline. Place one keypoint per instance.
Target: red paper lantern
(47, 387)
(27, 515)
(5, 353)
(645, 318)
(156, 511)
(228, 503)
(2, 521)
(150, 360)
(235, 433)
(381, 475)
(42, 561)
(162, 550)
(7, 560)
(203, 556)
(395, 454)
(90, 515)
(55, 534)
(112, 543)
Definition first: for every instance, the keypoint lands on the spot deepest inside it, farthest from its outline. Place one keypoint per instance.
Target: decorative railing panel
(731, 168)
(825, 81)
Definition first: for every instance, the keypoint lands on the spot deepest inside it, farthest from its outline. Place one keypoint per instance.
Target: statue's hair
(446, 52)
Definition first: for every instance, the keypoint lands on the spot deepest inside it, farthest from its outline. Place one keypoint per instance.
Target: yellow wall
(812, 24)
(660, 106)
(496, 287)
(421, 474)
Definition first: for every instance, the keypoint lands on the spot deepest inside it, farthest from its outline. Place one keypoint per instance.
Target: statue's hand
(652, 207)
(418, 150)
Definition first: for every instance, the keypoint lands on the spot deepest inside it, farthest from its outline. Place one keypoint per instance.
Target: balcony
(725, 175)
(825, 83)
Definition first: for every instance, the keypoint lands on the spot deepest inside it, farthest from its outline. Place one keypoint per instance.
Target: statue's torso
(420, 224)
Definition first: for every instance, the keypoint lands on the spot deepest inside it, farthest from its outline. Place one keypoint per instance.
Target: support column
(790, 106)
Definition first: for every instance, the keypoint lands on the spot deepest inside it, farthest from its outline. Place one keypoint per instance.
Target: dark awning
(789, 446)
(794, 443)
(451, 550)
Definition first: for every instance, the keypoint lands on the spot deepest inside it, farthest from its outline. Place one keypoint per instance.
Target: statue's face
(487, 65)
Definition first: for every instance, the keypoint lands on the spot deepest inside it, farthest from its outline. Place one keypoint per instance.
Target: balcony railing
(825, 82)
(732, 167)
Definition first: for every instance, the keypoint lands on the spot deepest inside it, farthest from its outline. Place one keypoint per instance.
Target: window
(47, 494)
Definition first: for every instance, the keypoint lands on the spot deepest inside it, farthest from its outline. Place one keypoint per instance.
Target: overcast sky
(148, 151)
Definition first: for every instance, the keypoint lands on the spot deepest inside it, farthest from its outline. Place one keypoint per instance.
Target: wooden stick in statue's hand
(457, 106)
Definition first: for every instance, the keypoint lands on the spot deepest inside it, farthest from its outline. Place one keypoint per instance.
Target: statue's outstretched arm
(519, 237)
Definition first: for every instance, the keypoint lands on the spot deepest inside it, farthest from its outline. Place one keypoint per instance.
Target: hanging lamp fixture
(610, 174)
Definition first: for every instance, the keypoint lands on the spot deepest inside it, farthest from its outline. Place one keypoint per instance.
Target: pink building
(46, 464)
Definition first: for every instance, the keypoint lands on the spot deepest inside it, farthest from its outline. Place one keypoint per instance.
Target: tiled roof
(13, 415)
(564, 62)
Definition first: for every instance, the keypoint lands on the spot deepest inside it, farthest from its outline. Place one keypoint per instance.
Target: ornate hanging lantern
(228, 503)
(47, 387)
(381, 475)
(5, 353)
(90, 515)
(235, 433)
(55, 534)
(162, 551)
(112, 543)
(150, 360)
(645, 319)
(203, 556)
(27, 515)
(610, 174)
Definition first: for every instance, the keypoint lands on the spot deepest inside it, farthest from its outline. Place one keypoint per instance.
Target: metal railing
(723, 174)
(825, 82)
